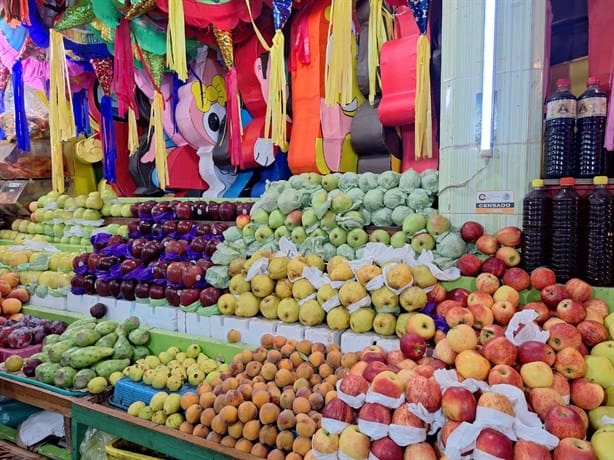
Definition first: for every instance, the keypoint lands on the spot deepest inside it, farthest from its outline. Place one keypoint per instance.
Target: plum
(20, 338)
(98, 310)
(38, 334)
(30, 366)
(57, 327)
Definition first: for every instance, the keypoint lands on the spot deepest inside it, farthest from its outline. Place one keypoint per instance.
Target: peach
(11, 306)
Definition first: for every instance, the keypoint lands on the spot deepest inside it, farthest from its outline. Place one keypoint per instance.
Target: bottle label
(562, 108)
(592, 107)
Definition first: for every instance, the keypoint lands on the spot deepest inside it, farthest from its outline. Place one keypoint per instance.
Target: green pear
(595, 416)
(288, 310)
(384, 323)
(311, 313)
(599, 369)
(157, 400)
(268, 306)
(248, 305)
(603, 442)
(362, 320)
(604, 349)
(423, 277)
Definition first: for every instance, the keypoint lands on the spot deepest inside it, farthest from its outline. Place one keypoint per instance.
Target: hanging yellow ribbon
(339, 69)
(61, 119)
(175, 40)
(377, 37)
(133, 133)
(423, 122)
(157, 110)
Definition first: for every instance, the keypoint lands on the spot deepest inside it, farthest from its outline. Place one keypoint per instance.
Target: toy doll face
(208, 109)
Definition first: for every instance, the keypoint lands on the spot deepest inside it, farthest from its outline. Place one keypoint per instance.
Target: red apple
(373, 368)
(489, 332)
(209, 296)
(487, 282)
(500, 351)
(127, 288)
(413, 346)
(503, 311)
(542, 277)
(564, 422)
(188, 296)
(571, 311)
(394, 357)
(386, 449)
(480, 298)
(482, 316)
(174, 272)
(172, 296)
(470, 231)
(424, 390)
(373, 412)
(458, 404)
(577, 449)
(533, 350)
(563, 335)
(373, 353)
(585, 394)
(517, 278)
(509, 236)
(420, 451)
(494, 265)
(496, 444)
(387, 383)
(183, 210)
(469, 264)
(528, 450)
(157, 292)
(336, 409)
(436, 294)
(578, 289)
(353, 385)
(502, 373)
(458, 294)
(544, 399)
(141, 291)
(542, 310)
(553, 294)
(446, 305)
(592, 332)
(487, 244)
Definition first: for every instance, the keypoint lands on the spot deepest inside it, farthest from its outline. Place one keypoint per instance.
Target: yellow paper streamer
(377, 37)
(175, 40)
(157, 109)
(423, 122)
(61, 120)
(339, 69)
(133, 133)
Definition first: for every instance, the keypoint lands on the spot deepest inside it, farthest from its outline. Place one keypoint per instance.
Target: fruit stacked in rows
(173, 368)
(87, 352)
(364, 297)
(269, 402)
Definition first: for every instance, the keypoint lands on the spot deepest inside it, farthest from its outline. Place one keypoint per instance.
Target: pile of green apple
(61, 218)
(282, 293)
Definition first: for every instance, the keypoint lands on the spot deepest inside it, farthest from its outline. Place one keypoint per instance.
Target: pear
(413, 298)
(278, 268)
(599, 369)
(135, 408)
(609, 320)
(595, 416)
(283, 288)
(333, 262)
(159, 381)
(159, 417)
(268, 306)
(248, 305)
(362, 320)
(604, 349)
(262, 286)
(236, 267)
(422, 276)
(174, 421)
(294, 268)
(609, 396)
(325, 293)
(174, 382)
(314, 260)
(399, 276)
(351, 292)
(302, 289)
(311, 313)
(401, 326)
(384, 299)
(338, 318)
(288, 310)
(603, 442)
(145, 413)
(157, 400)
(384, 323)
(341, 272)
(238, 285)
(367, 272)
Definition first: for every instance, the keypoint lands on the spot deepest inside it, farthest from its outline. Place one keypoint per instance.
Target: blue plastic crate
(126, 392)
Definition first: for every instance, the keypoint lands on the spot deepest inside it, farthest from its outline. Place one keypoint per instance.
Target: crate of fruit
(127, 391)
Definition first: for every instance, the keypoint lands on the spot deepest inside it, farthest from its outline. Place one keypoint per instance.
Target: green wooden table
(174, 443)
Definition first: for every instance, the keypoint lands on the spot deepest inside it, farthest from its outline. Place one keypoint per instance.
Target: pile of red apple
(164, 259)
(226, 211)
(401, 405)
(494, 253)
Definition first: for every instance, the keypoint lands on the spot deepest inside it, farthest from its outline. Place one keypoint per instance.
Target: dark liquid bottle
(599, 238)
(536, 227)
(592, 112)
(559, 135)
(565, 219)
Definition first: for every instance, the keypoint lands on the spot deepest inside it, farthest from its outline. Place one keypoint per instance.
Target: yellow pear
(341, 272)
(367, 272)
(302, 288)
(311, 313)
(399, 276)
(238, 285)
(248, 305)
(351, 293)
(423, 277)
(295, 266)
(314, 260)
(278, 268)
(333, 262)
(326, 292)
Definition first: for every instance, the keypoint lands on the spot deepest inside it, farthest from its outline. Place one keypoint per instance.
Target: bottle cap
(537, 183)
(600, 180)
(567, 181)
(592, 81)
(562, 82)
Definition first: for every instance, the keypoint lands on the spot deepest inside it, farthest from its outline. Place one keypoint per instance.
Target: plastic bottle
(536, 227)
(592, 112)
(565, 219)
(598, 240)
(559, 135)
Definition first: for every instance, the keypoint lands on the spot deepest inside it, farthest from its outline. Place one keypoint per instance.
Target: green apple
(78, 213)
(398, 239)
(298, 235)
(108, 194)
(248, 230)
(276, 219)
(260, 217)
(337, 236)
(319, 233)
(49, 215)
(93, 201)
(123, 231)
(379, 236)
(605, 348)
(318, 198)
(341, 203)
(80, 201)
(422, 242)
(603, 442)
(281, 232)
(116, 210)
(357, 237)
(413, 223)
(91, 214)
(61, 201)
(328, 221)
(126, 212)
(309, 217)
(263, 234)
(599, 369)
(330, 182)
(106, 210)
(43, 201)
(437, 224)
(38, 215)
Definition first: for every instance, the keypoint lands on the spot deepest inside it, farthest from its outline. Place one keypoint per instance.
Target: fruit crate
(119, 449)
(126, 392)
(23, 352)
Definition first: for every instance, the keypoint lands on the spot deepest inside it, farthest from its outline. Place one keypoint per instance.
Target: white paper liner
(287, 248)
(343, 456)
(404, 435)
(386, 401)
(364, 302)
(427, 258)
(338, 284)
(316, 277)
(435, 420)
(333, 426)
(357, 264)
(321, 456)
(374, 430)
(375, 283)
(398, 291)
(447, 378)
(37, 246)
(530, 331)
(567, 399)
(481, 455)
(307, 299)
(331, 303)
(496, 420)
(605, 420)
(355, 402)
(259, 267)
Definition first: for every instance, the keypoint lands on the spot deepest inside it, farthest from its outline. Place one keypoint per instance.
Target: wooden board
(12, 452)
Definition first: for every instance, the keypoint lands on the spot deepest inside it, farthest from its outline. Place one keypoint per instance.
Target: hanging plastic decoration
(22, 132)
(339, 63)
(233, 120)
(104, 73)
(5, 74)
(61, 123)
(376, 38)
(16, 10)
(140, 8)
(77, 14)
(175, 40)
(423, 122)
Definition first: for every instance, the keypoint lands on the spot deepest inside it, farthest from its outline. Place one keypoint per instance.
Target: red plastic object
(23, 352)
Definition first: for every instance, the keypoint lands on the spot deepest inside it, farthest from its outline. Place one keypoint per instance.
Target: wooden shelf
(174, 443)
